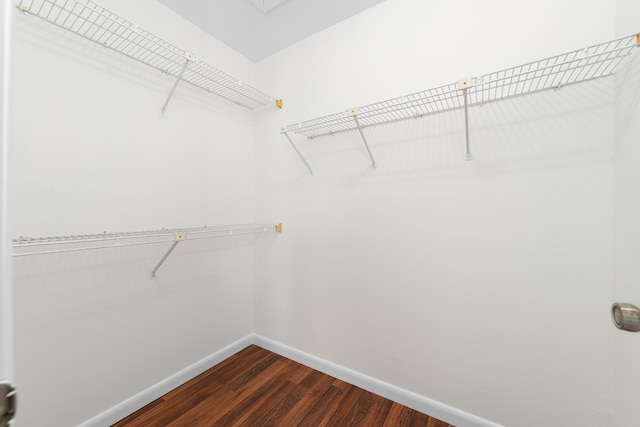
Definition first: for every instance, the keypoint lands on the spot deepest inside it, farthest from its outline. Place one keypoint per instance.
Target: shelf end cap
(465, 83)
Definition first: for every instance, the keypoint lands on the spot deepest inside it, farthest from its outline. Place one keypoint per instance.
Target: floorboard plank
(275, 416)
(349, 399)
(232, 401)
(318, 412)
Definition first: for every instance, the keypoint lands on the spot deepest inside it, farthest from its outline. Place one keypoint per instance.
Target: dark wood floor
(258, 388)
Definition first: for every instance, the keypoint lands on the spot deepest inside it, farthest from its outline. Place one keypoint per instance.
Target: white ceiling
(258, 28)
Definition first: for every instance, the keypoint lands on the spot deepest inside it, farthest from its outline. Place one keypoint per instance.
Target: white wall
(482, 285)
(626, 213)
(446, 278)
(91, 154)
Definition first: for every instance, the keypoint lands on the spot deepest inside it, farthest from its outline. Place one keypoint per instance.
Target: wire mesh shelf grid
(578, 66)
(98, 24)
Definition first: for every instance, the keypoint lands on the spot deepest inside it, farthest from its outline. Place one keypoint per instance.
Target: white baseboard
(147, 396)
(415, 401)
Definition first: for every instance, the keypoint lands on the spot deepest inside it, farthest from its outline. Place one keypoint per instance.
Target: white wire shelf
(578, 66)
(24, 246)
(93, 22)
(27, 246)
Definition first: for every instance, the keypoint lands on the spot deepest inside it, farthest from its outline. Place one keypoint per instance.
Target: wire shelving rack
(592, 62)
(28, 246)
(93, 22)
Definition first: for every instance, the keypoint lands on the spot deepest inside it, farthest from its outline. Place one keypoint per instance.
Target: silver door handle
(626, 316)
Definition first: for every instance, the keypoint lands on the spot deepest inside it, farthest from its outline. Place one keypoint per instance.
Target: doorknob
(626, 316)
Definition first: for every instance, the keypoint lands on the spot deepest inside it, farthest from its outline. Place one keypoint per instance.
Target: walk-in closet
(405, 212)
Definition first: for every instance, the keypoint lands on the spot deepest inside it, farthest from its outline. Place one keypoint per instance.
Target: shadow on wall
(627, 96)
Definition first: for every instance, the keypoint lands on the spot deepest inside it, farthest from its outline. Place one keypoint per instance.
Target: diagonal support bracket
(283, 130)
(464, 85)
(353, 112)
(178, 237)
(189, 57)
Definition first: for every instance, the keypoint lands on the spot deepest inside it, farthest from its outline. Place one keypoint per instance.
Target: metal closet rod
(578, 66)
(93, 22)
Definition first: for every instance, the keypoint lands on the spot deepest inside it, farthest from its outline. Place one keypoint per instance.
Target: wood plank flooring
(258, 388)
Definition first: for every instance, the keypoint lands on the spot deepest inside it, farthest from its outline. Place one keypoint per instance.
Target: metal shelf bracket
(353, 112)
(189, 57)
(464, 85)
(178, 237)
(283, 130)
